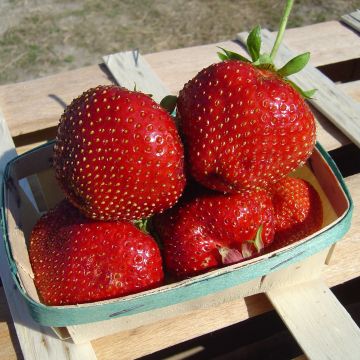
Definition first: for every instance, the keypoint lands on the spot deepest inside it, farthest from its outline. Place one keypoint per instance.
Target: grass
(38, 38)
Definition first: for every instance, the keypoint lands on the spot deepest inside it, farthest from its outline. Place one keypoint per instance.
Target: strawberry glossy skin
(193, 232)
(78, 260)
(243, 127)
(118, 155)
(298, 211)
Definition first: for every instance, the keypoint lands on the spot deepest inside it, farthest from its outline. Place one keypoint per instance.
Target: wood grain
(131, 70)
(43, 100)
(352, 19)
(328, 42)
(345, 261)
(319, 323)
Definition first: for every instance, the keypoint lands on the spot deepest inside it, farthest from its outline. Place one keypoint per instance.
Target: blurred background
(41, 37)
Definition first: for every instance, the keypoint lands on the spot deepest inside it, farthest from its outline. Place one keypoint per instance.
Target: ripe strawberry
(215, 229)
(77, 260)
(245, 125)
(298, 211)
(118, 155)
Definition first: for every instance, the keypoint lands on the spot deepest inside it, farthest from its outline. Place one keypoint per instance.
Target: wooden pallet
(42, 103)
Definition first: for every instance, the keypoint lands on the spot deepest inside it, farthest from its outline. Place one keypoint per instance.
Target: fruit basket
(288, 265)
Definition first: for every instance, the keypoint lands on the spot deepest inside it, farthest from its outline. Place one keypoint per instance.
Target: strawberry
(78, 260)
(215, 229)
(118, 155)
(298, 211)
(244, 123)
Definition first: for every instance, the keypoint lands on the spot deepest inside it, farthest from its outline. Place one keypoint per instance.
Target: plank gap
(33, 139)
(342, 72)
(347, 158)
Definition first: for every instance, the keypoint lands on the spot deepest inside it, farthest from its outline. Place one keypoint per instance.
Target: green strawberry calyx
(232, 256)
(142, 225)
(266, 61)
(257, 242)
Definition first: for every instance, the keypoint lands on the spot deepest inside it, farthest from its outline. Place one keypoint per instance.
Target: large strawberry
(298, 211)
(77, 260)
(244, 123)
(118, 155)
(215, 229)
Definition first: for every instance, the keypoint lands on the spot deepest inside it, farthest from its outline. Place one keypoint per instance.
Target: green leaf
(229, 55)
(253, 43)
(307, 94)
(258, 243)
(222, 56)
(169, 103)
(294, 65)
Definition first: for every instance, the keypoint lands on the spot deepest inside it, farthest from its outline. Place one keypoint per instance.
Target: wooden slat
(9, 346)
(43, 100)
(345, 261)
(352, 19)
(352, 89)
(131, 70)
(176, 67)
(317, 320)
(340, 109)
(168, 332)
(328, 42)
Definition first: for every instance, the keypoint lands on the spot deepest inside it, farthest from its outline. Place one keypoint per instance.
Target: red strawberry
(298, 211)
(77, 260)
(245, 125)
(214, 229)
(118, 155)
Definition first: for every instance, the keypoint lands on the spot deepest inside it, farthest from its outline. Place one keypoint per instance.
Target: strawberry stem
(282, 27)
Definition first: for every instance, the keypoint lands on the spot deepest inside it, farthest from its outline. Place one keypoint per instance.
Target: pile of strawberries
(213, 189)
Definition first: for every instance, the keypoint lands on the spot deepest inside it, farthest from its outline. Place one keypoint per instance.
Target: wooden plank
(340, 109)
(328, 42)
(176, 67)
(345, 261)
(168, 332)
(317, 320)
(43, 100)
(9, 345)
(352, 89)
(331, 42)
(352, 19)
(131, 70)
(36, 342)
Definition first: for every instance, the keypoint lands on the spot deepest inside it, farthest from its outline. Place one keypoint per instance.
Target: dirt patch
(41, 37)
